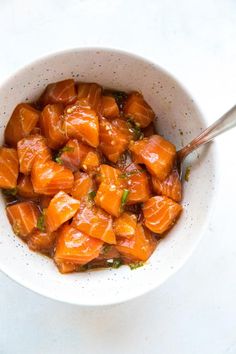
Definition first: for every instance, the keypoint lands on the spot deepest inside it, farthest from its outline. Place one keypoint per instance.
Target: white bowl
(177, 113)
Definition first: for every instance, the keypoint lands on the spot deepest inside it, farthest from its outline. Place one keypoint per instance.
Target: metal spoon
(226, 122)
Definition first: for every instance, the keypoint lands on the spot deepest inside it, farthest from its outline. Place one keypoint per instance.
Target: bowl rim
(147, 289)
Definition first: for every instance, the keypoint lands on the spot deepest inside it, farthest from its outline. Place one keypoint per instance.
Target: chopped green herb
(124, 197)
(40, 223)
(92, 195)
(187, 173)
(58, 160)
(136, 265)
(106, 249)
(116, 263)
(119, 97)
(66, 149)
(135, 128)
(12, 191)
(131, 173)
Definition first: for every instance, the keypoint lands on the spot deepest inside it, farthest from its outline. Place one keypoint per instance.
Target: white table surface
(195, 310)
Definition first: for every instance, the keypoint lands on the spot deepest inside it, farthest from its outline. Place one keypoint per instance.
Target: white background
(195, 310)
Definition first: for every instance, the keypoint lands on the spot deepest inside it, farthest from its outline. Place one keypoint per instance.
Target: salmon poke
(87, 179)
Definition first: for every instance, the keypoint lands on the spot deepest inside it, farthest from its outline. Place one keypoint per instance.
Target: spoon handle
(226, 122)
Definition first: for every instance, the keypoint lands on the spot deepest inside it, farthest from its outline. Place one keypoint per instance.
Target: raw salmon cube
(23, 218)
(59, 92)
(51, 124)
(171, 186)
(73, 154)
(113, 140)
(110, 108)
(50, 178)
(31, 149)
(25, 188)
(83, 185)
(125, 225)
(9, 168)
(160, 213)
(91, 94)
(156, 153)
(138, 110)
(91, 162)
(61, 209)
(81, 122)
(66, 267)
(24, 118)
(75, 246)
(109, 175)
(41, 241)
(109, 198)
(94, 222)
(138, 247)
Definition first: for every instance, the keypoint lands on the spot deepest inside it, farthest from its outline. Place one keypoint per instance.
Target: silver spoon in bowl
(226, 122)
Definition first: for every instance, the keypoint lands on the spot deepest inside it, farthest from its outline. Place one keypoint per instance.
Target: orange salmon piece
(23, 218)
(50, 178)
(171, 186)
(32, 149)
(125, 225)
(61, 208)
(73, 154)
(109, 198)
(137, 183)
(42, 241)
(91, 162)
(138, 247)
(137, 109)
(81, 122)
(66, 267)
(91, 94)
(59, 92)
(82, 186)
(76, 247)
(156, 153)
(23, 119)
(94, 222)
(51, 124)
(9, 168)
(25, 188)
(109, 175)
(113, 141)
(160, 213)
(109, 108)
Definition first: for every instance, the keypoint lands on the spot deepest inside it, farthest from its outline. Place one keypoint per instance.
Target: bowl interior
(179, 120)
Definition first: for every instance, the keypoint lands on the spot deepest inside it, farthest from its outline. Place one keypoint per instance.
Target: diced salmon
(171, 186)
(62, 208)
(81, 122)
(91, 162)
(109, 175)
(59, 92)
(91, 94)
(23, 218)
(113, 141)
(50, 178)
(109, 198)
(24, 118)
(76, 247)
(137, 109)
(25, 188)
(66, 267)
(83, 185)
(160, 213)
(125, 225)
(138, 247)
(32, 149)
(149, 130)
(41, 241)
(44, 201)
(94, 222)
(51, 124)
(73, 154)
(9, 168)
(110, 108)
(156, 153)
(137, 183)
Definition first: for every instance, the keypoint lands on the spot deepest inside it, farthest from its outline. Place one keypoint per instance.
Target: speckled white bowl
(179, 120)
